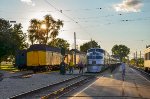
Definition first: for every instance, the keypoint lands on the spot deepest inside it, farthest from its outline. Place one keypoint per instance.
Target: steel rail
(35, 91)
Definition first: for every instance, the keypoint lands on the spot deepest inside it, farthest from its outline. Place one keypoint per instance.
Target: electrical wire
(68, 17)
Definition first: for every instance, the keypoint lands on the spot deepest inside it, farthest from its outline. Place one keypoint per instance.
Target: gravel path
(10, 86)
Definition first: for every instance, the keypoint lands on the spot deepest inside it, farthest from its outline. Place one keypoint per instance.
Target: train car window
(94, 53)
(100, 50)
(94, 57)
(97, 54)
(91, 57)
(99, 57)
(91, 50)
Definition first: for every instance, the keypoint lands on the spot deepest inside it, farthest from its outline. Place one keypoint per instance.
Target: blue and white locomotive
(98, 59)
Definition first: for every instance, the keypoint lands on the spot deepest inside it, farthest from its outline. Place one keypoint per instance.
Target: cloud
(129, 6)
(29, 2)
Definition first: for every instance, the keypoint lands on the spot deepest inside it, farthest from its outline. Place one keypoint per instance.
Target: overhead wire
(61, 11)
(84, 18)
(95, 17)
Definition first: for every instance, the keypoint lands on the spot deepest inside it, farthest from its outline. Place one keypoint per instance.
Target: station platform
(111, 86)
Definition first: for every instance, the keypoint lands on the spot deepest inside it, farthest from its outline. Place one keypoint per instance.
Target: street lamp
(12, 22)
(75, 48)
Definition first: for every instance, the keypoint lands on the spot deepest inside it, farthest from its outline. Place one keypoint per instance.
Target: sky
(108, 22)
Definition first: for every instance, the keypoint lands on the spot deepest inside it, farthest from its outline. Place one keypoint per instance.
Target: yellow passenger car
(43, 56)
(147, 58)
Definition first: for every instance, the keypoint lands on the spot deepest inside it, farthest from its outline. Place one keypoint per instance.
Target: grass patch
(8, 68)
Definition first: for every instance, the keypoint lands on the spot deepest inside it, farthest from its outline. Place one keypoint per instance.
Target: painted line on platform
(140, 75)
(85, 88)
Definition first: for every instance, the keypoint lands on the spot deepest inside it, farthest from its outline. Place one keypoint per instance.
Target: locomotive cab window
(91, 50)
(100, 50)
(99, 57)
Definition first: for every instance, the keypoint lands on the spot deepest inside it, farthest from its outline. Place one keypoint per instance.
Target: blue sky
(108, 22)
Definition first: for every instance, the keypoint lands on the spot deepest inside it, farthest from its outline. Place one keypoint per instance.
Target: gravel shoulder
(10, 86)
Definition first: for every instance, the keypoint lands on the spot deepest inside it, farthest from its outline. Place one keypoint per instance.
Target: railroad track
(55, 90)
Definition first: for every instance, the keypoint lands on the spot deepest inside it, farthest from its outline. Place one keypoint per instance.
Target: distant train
(40, 57)
(147, 59)
(98, 59)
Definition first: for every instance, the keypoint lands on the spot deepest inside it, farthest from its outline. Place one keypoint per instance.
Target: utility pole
(140, 58)
(128, 60)
(136, 59)
(91, 43)
(140, 54)
(75, 48)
